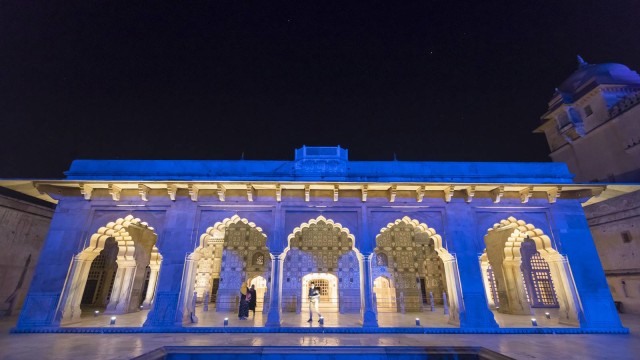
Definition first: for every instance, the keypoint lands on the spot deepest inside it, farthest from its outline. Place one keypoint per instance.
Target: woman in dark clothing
(243, 311)
(252, 299)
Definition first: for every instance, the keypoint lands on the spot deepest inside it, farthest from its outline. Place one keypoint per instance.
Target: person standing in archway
(314, 300)
(251, 298)
(243, 311)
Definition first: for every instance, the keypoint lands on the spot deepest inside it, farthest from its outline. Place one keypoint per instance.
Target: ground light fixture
(226, 321)
(417, 321)
(547, 315)
(534, 322)
(113, 320)
(96, 313)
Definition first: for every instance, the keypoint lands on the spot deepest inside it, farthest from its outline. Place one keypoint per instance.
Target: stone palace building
(593, 125)
(479, 242)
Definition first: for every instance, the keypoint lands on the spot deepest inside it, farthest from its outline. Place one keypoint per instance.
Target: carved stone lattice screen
(321, 248)
(537, 277)
(407, 258)
(208, 267)
(97, 291)
(243, 246)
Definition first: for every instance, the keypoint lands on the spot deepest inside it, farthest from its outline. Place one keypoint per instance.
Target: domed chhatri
(597, 74)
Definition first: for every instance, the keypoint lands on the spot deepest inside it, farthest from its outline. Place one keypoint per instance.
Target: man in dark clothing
(314, 300)
(252, 300)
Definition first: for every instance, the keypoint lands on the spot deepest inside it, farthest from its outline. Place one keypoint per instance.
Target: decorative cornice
(332, 191)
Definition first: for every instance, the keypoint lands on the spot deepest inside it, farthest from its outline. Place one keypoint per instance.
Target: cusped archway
(117, 270)
(231, 252)
(418, 265)
(321, 246)
(515, 252)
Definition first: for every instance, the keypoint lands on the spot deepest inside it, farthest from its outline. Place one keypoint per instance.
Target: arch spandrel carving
(120, 232)
(521, 230)
(321, 246)
(415, 256)
(229, 251)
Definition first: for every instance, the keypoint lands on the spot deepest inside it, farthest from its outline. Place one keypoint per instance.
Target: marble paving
(211, 318)
(126, 346)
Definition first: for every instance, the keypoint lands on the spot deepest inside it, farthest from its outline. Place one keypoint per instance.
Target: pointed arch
(218, 229)
(504, 242)
(204, 270)
(424, 228)
(520, 230)
(338, 256)
(131, 235)
(316, 221)
(119, 230)
(450, 268)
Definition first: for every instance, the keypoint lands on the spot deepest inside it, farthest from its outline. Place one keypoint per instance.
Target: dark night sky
(432, 81)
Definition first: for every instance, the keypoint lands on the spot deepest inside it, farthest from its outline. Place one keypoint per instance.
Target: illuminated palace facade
(481, 243)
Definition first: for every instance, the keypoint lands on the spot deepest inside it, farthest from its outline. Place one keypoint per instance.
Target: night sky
(430, 81)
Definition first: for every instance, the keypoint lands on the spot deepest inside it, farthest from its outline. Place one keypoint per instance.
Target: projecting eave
(250, 191)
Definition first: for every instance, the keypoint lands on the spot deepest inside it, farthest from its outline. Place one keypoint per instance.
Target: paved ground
(435, 319)
(126, 346)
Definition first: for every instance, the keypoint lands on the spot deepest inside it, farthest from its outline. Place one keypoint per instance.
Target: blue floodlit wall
(180, 223)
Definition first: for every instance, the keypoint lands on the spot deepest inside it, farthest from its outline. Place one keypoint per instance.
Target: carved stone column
(516, 295)
(369, 313)
(43, 305)
(151, 288)
(473, 310)
(188, 285)
(121, 293)
(275, 309)
(584, 281)
(77, 281)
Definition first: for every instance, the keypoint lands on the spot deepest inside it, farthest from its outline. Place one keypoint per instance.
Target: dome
(609, 73)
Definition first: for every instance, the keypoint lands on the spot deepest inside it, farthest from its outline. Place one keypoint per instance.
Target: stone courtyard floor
(126, 346)
(211, 318)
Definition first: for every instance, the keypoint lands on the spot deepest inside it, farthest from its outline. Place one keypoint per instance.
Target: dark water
(324, 353)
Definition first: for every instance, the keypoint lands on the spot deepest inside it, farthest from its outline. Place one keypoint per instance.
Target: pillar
(121, 293)
(273, 316)
(186, 302)
(43, 305)
(77, 280)
(151, 288)
(462, 238)
(515, 290)
(369, 313)
(594, 302)
(484, 265)
(453, 288)
(174, 241)
(569, 309)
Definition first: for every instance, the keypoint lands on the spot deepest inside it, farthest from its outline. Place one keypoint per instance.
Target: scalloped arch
(119, 231)
(218, 229)
(315, 222)
(422, 227)
(522, 230)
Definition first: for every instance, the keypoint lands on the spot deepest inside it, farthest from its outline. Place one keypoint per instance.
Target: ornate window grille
(537, 277)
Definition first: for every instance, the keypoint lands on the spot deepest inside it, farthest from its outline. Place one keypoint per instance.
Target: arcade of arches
(410, 271)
